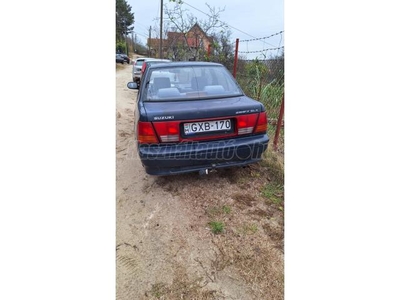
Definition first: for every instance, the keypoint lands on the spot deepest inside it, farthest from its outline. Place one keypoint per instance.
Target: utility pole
(161, 35)
(135, 40)
(133, 43)
(149, 43)
(126, 43)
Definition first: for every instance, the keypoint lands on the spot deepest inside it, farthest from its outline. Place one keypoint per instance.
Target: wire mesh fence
(263, 80)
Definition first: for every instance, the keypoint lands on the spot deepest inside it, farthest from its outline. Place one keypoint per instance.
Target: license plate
(209, 126)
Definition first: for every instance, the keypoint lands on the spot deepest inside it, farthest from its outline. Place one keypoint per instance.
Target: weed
(226, 209)
(249, 229)
(216, 227)
(275, 166)
(253, 228)
(273, 192)
(158, 289)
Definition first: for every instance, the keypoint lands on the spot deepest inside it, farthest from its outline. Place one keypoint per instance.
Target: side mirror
(132, 85)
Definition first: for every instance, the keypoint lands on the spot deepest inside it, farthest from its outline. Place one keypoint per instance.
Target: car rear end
(126, 58)
(119, 58)
(140, 66)
(137, 70)
(188, 123)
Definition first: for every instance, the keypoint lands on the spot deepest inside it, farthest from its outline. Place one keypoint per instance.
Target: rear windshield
(190, 83)
(139, 62)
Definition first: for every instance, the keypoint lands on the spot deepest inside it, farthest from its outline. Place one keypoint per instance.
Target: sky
(247, 19)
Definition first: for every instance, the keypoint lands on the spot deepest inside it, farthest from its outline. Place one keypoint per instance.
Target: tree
(223, 49)
(124, 20)
(181, 45)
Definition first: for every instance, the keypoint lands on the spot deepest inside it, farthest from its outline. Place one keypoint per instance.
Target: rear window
(139, 62)
(190, 83)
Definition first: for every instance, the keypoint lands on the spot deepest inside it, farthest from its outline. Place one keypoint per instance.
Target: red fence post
(236, 58)
(278, 128)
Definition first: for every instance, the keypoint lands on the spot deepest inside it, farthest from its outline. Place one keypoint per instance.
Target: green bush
(120, 47)
(216, 227)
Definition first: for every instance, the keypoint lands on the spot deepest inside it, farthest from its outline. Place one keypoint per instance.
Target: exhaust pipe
(203, 172)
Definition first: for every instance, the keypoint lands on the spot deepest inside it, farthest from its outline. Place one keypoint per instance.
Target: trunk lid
(200, 109)
(192, 120)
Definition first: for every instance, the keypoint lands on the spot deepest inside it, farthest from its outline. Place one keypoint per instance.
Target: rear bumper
(137, 75)
(197, 156)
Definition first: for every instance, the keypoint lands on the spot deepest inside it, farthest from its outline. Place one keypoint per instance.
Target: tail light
(253, 123)
(246, 123)
(146, 134)
(167, 131)
(143, 67)
(261, 126)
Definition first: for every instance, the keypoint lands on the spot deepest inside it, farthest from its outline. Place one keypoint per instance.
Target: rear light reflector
(261, 126)
(245, 130)
(169, 138)
(146, 134)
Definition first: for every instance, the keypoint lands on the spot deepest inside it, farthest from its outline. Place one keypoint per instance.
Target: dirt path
(164, 246)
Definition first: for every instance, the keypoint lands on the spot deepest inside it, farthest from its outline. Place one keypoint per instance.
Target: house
(181, 46)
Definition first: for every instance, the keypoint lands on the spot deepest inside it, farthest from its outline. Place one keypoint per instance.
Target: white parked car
(139, 65)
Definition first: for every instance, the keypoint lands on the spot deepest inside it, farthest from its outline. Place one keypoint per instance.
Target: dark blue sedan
(193, 116)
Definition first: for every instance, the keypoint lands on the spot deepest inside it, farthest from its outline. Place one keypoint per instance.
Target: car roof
(156, 59)
(151, 59)
(186, 64)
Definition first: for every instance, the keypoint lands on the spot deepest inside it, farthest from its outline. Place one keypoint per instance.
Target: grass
(215, 211)
(275, 166)
(274, 189)
(255, 261)
(248, 228)
(216, 227)
(226, 209)
(271, 97)
(273, 192)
